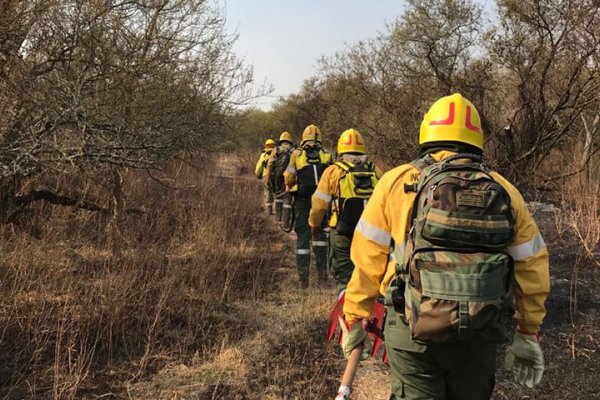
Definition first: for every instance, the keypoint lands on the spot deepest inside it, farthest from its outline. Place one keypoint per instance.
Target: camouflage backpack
(282, 159)
(456, 269)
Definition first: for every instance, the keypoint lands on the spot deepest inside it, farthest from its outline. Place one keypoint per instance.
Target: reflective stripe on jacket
(385, 222)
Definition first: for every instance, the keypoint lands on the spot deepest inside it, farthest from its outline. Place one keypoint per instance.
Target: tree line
(531, 67)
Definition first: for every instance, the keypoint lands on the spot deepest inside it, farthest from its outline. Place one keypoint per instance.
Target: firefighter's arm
(258, 170)
(369, 252)
(290, 173)
(532, 267)
(321, 199)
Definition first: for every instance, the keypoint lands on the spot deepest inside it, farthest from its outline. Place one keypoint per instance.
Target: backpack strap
(344, 165)
(423, 162)
(420, 164)
(370, 166)
(469, 156)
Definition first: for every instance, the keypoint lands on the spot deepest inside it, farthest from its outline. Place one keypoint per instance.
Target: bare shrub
(76, 319)
(581, 213)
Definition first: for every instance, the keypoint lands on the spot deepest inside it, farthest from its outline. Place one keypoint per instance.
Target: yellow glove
(353, 336)
(525, 359)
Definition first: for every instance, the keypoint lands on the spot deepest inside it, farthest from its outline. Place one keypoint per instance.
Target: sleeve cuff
(528, 329)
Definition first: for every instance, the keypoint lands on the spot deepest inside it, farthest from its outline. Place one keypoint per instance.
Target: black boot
(303, 283)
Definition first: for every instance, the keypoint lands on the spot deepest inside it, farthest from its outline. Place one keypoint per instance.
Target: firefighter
(343, 189)
(260, 173)
(302, 175)
(432, 347)
(276, 166)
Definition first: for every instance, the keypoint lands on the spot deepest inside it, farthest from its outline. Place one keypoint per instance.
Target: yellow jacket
(259, 170)
(328, 191)
(291, 171)
(285, 146)
(387, 217)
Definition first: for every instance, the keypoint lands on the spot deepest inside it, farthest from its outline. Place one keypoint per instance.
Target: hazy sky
(284, 39)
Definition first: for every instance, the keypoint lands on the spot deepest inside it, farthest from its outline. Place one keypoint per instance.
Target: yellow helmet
(452, 118)
(311, 132)
(269, 144)
(351, 141)
(285, 136)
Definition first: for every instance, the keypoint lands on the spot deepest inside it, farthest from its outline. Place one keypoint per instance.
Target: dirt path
(372, 381)
(292, 313)
(295, 324)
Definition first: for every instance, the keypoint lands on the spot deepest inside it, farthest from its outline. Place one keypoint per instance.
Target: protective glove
(525, 359)
(353, 335)
(343, 393)
(316, 232)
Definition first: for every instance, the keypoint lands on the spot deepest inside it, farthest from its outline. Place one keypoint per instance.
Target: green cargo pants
(286, 212)
(278, 205)
(269, 196)
(436, 372)
(303, 241)
(341, 264)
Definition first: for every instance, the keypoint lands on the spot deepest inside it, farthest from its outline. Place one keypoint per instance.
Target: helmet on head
(351, 141)
(452, 118)
(285, 137)
(269, 144)
(311, 132)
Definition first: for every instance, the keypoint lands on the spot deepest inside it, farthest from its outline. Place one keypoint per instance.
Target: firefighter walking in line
(473, 253)
(260, 173)
(302, 175)
(344, 189)
(276, 166)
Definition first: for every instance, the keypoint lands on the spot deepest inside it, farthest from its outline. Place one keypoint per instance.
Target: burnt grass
(571, 330)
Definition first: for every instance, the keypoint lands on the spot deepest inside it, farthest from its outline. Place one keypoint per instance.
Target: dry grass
(579, 224)
(581, 214)
(78, 321)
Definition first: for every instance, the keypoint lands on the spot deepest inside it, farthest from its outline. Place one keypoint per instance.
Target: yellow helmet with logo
(311, 132)
(351, 141)
(452, 118)
(285, 136)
